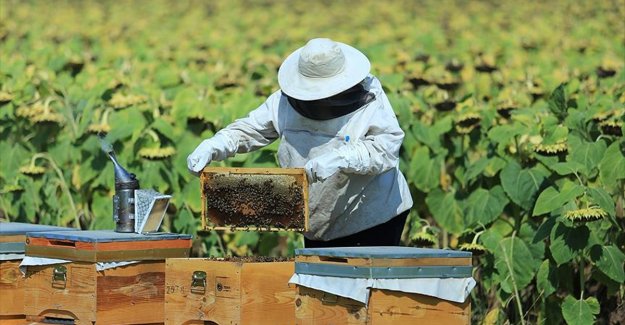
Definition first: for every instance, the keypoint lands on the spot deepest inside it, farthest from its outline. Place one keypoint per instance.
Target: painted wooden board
(250, 215)
(383, 262)
(11, 290)
(106, 246)
(314, 307)
(13, 235)
(230, 292)
(132, 294)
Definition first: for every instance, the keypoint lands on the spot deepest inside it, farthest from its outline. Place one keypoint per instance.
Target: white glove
(200, 157)
(324, 166)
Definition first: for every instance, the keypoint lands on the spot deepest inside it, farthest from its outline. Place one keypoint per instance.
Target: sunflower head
(96, 129)
(465, 123)
(612, 127)
(423, 239)
(47, 118)
(474, 248)
(555, 149)
(586, 215)
(30, 111)
(32, 170)
(157, 153)
(12, 188)
(119, 101)
(5, 97)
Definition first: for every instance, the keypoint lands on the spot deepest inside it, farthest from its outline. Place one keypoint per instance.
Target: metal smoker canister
(124, 199)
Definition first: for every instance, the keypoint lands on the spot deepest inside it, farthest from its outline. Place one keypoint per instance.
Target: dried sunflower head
(32, 170)
(612, 127)
(552, 149)
(602, 116)
(157, 153)
(119, 101)
(47, 118)
(465, 123)
(586, 215)
(99, 128)
(13, 188)
(423, 239)
(486, 63)
(474, 248)
(5, 97)
(30, 111)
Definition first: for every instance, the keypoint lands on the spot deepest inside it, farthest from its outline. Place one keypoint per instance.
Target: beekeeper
(333, 119)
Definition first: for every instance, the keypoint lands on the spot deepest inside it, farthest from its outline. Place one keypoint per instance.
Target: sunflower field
(513, 111)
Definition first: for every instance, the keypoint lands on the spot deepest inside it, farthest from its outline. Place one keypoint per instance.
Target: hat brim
(298, 86)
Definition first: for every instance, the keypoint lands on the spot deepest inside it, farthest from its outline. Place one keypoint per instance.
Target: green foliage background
(513, 114)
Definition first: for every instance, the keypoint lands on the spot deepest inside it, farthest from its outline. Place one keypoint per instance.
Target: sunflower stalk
(62, 181)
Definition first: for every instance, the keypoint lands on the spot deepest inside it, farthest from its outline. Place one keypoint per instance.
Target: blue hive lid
(18, 228)
(381, 252)
(104, 236)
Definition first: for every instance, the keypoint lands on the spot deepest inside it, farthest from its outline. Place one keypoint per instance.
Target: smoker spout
(121, 174)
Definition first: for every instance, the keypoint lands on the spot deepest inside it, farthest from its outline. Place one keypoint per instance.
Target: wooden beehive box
(208, 291)
(129, 294)
(107, 245)
(263, 199)
(12, 241)
(384, 306)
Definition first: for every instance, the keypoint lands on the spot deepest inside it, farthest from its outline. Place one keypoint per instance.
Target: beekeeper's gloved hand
(324, 166)
(200, 157)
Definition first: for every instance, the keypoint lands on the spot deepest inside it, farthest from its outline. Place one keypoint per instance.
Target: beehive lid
(261, 199)
(107, 245)
(383, 262)
(13, 235)
(105, 236)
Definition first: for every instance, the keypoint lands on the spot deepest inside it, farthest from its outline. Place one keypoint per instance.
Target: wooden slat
(392, 307)
(109, 246)
(427, 261)
(76, 301)
(254, 170)
(266, 297)
(251, 293)
(183, 305)
(311, 309)
(132, 294)
(106, 256)
(13, 320)
(11, 290)
(13, 239)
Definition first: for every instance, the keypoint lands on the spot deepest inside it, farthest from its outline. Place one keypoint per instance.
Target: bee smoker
(124, 199)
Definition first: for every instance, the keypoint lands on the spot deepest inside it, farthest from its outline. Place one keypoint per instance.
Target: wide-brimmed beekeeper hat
(322, 68)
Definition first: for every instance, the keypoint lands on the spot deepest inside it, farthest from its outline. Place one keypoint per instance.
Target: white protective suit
(353, 159)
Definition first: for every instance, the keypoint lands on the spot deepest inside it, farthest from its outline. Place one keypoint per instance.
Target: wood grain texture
(132, 294)
(234, 292)
(11, 289)
(13, 320)
(314, 307)
(392, 307)
(317, 307)
(76, 299)
(266, 297)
